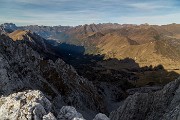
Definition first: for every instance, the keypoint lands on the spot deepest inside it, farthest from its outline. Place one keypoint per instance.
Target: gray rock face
(26, 105)
(160, 105)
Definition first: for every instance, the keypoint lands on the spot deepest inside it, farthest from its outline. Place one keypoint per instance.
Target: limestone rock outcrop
(31, 104)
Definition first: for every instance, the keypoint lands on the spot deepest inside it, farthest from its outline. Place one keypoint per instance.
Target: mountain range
(146, 44)
(117, 70)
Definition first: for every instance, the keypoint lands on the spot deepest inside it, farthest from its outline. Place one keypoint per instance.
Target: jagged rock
(25, 106)
(32, 104)
(49, 116)
(69, 113)
(101, 116)
(160, 105)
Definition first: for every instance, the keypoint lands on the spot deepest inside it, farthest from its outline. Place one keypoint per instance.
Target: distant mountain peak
(9, 26)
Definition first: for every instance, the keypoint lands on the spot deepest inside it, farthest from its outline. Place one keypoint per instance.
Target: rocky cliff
(160, 105)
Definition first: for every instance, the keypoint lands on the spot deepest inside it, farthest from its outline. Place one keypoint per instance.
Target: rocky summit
(32, 104)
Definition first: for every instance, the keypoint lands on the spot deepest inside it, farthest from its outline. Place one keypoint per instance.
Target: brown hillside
(19, 34)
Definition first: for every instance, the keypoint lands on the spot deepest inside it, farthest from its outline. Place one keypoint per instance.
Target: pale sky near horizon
(78, 12)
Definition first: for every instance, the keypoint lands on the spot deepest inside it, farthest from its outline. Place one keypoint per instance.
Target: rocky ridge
(23, 68)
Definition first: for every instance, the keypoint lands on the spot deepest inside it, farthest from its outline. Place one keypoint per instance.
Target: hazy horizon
(86, 24)
(80, 12)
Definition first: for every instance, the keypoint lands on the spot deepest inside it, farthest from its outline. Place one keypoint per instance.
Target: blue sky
(77, 12)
